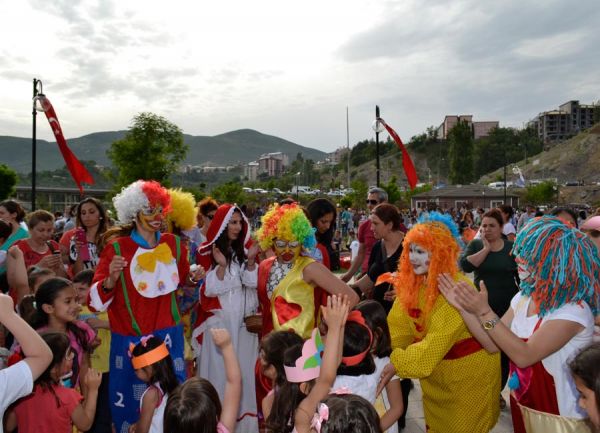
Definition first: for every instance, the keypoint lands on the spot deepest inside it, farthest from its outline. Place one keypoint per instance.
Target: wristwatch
(490, 324)
(106, 289)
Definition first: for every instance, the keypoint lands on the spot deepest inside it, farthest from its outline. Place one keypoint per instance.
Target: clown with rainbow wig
(430, 341)
(549, 321)
(135, 281)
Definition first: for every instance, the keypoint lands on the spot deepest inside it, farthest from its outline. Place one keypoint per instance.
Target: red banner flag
(75, 167)
(409, 167)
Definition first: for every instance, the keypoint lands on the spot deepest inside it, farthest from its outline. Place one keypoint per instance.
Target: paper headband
(148, 358)
(349, 361)
(308, 366)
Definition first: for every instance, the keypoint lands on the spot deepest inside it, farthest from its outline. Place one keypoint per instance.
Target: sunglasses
(283, 244)
(373, 202)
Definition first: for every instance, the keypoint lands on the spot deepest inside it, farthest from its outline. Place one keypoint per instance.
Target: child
(337, 413)
(153, 365)
(358, 372)
(194, 407)
(57, 308)
(272, 348)
(52, 407)
(585, 368)
(17, 381)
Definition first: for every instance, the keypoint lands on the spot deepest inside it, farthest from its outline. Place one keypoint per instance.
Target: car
(247, 190)
(261, 191)
(276, 191)
(572, 183)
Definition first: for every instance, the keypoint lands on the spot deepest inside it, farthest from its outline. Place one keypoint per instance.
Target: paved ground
(415, 423)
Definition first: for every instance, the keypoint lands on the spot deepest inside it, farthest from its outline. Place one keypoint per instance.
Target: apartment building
(570, 119)
(480, 128)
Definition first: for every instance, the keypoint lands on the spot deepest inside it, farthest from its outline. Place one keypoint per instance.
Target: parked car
(247, 190)
(277, 191)
(261, 191)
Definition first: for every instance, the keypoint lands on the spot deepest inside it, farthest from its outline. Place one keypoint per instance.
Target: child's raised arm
(16, 273)
(233, 376)
(335, 315)
(83, 415)
(37, 353)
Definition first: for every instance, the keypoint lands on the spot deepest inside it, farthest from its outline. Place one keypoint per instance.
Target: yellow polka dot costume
(430, 341)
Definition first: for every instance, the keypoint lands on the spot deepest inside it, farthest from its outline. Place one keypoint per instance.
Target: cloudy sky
(290, 68)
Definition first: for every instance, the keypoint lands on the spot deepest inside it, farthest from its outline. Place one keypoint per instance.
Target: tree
(230, 192)
(460, 141)
(151, 150)
(8, 180)
(394, 193)
(359, 195)
(543, 193)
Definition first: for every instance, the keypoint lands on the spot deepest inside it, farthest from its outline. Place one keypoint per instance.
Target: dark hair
(287, 398)
(467, 214)
(376, 319)
(274, 345)
(14, 207)
(84, 277)
(59, 344)
(114, 232)
(103, 224)
(34, 273)
(317, 209)
(47, 293)
(562, 209)
(356, 340)
(388, 213)
(5, 230)
(350, 413)
(162, 371)
(38, 216)
(207, 204)
(193, 407)
(27, 309)
(586, 366)
(507, 209)
(495, 214)
(235, 248)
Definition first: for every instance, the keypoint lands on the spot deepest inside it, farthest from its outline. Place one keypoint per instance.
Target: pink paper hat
(592, 224)
(308, 366)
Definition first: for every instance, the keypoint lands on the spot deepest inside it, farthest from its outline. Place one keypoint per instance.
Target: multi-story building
(570, 119)
(251, 171)
(480, 129)
(272, 163)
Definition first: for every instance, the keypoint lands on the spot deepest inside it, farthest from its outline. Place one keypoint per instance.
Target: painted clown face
(523, 269)
(419, 258)
(151, 219)
(287, 250)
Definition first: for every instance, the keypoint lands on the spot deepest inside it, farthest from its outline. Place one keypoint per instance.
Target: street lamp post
(37, 91)
(297, 195)
(378, 128)
(504, 175)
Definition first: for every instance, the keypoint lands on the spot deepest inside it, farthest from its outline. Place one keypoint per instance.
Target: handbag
(253, 321)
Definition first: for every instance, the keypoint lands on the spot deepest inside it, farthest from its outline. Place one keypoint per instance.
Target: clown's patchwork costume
(430, 341)
(224, 304)
(142, 300)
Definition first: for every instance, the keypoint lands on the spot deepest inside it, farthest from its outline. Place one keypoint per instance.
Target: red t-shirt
(366, 237)
(32, 257)
(38, 412)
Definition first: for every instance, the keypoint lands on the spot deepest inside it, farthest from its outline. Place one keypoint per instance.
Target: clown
(430, 341)
(548, 322)
(135, 281)
(287, 281)
(226, 297)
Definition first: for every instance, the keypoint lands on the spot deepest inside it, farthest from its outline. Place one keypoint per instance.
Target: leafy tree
(543, 193)
(8, 180)
(152, 149)
(394, 193)
(359, 195)
(460, 142)
(230, 192)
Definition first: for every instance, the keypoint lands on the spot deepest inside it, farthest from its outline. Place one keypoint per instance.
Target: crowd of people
(180, 316)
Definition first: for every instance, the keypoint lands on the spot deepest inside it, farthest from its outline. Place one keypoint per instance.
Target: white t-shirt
(16, 381)
(156, 426)
(364, 385)
(509, 229)
(557, 364)
(354, 248)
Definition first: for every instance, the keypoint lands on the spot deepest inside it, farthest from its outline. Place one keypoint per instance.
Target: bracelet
(106, 289)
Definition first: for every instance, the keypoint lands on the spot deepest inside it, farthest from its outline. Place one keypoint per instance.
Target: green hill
(231, 148)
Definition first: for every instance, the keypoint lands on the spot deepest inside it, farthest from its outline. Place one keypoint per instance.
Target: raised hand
(447, 287)
(253, 251)
(221, 337)
(336, 312)
(117, 264)
(218, 256)
(93, 378)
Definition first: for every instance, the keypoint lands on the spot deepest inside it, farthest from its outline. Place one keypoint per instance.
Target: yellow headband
(149, 358)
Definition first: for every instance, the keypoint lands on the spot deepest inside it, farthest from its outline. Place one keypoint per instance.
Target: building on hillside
(55, 198)
(474, 196)
(336, 156)
(273, 164)
(570, 119)
(480, 129)
(251, 171)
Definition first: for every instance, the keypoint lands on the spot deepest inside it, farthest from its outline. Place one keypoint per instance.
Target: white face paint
(523, 271)
(419, 259)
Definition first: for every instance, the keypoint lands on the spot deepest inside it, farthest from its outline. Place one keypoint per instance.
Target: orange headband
(149, 358)
(349, 361)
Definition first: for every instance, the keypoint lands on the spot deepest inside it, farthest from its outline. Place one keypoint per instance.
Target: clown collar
(138, 239)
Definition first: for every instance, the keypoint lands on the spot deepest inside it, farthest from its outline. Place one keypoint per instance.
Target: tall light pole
(378, 128)
(297, 195)
(348, 146)
(37, 91)
(504, 175)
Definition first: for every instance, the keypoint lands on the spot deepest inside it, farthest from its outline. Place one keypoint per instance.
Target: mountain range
(235, 147)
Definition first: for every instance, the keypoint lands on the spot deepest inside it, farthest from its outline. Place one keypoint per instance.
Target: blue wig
(446, 220)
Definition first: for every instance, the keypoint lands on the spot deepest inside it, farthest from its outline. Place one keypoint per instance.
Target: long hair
(349, 413)
(357, 340)
(162, 371)
(586, 366)
(47, 293)
(318, 208)
(274, 346)
(113, 233)
(232, 249)
(59, 345)
(14, 207)
(287, 398)
(193, 407)
(103, 222)
(376, 319)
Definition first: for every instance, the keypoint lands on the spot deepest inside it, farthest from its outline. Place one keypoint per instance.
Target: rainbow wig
(141, 194)
(184, 210)
(286, 222)
(563, 264)
(439, 235)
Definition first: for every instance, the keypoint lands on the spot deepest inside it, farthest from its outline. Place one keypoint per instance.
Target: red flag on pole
(75, 167)
(409, 167)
